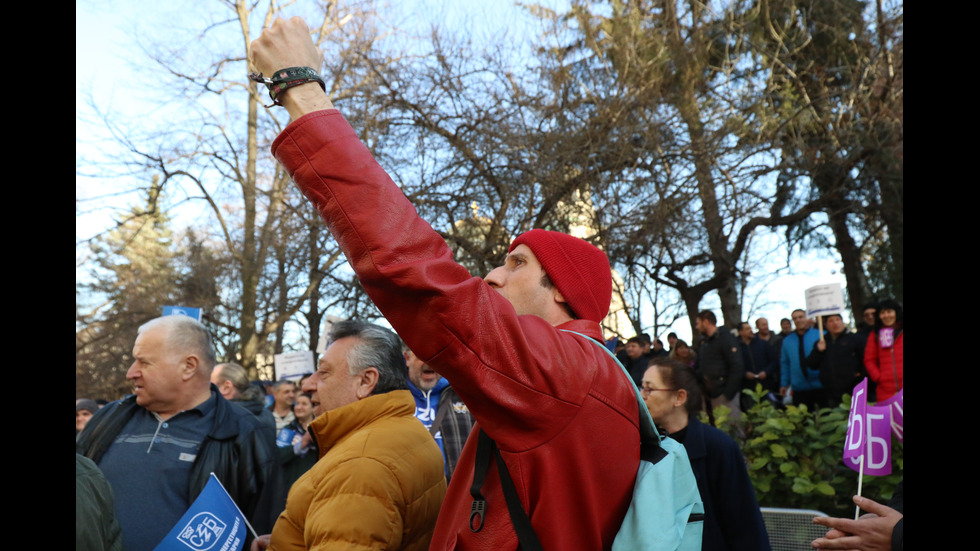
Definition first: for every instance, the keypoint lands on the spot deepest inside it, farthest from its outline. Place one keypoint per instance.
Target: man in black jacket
(840, 358)
(232, 382)
(720, 363)
(158, 446)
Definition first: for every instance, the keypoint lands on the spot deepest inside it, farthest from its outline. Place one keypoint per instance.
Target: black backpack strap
(485, 447)
(478, 510)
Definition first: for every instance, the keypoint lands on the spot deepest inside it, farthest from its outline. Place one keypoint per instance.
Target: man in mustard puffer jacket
(379, 481)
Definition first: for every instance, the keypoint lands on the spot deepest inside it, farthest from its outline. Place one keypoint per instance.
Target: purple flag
(897, 406)
(857, 429)
(878, 460)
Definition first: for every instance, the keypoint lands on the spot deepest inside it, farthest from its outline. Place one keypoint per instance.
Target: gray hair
(185, 334)
(376, 347)
(234, 373)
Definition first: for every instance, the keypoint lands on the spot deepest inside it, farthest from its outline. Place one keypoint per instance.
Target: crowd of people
(798, 365)
(397, 420)
(671, 382)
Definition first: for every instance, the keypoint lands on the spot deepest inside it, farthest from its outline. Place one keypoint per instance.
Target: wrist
(304, 99)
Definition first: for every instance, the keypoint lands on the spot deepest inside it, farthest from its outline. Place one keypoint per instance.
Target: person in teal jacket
(794, 373)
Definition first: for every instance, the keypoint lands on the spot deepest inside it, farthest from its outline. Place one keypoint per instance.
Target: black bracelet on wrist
(283, 79)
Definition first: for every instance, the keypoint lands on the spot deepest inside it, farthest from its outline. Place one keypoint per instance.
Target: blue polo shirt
(148, 466)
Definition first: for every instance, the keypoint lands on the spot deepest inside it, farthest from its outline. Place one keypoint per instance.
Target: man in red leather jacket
(562, 413)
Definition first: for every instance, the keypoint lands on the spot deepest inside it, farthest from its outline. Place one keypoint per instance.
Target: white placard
(822, 300)
(293, 365)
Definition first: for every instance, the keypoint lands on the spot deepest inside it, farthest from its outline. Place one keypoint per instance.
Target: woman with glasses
(732, 521)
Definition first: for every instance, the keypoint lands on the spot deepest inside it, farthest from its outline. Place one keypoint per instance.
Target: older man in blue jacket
(804, 382)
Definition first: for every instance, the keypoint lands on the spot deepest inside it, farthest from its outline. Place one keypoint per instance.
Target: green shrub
(794, 457)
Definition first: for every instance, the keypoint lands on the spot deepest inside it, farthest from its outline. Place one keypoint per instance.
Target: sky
(104, 42)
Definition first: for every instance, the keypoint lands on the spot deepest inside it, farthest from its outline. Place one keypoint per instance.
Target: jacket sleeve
(871, 357)
(784, 365)
(102, 428)
(499, 363)
(772, 360)
(738, 511)
(356, 506)
(736, 367)
(815, 358)
(268, 487)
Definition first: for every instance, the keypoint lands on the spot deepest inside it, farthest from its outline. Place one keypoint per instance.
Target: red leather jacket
(562, 412)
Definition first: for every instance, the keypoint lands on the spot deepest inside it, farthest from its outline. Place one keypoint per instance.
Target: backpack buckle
(479, 510)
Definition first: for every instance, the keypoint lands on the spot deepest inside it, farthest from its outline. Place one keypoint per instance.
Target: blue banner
(213, 522)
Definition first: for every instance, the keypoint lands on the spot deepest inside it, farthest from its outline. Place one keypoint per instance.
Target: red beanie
(578, 269)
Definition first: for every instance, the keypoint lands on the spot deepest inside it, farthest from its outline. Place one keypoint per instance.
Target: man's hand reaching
(285, 44)
(870, 532)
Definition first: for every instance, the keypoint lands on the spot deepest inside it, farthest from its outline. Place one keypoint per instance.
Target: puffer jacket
(237, 450)
(562, 413)
(378, 483)
(885, 365)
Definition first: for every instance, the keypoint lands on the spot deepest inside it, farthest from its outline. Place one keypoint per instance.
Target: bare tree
(214, 149)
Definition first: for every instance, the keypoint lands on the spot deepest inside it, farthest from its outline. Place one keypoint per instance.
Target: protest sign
(212, 523)
(293, 365)
(822, 300)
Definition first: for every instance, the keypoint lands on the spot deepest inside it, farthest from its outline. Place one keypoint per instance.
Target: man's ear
(188, 368)
(366, 381)
(559, 298)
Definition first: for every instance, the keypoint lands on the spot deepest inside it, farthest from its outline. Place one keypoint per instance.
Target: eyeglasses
(648, 390)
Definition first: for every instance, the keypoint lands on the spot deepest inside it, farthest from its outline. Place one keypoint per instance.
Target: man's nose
(494, 278)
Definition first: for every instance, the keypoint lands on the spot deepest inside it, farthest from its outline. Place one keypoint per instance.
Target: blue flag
(212, 523)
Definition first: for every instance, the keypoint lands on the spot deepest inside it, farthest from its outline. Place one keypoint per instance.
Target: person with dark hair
(683, 353)
(297, 447)
(633, 358)
(759, 359)
(159, 446)
(732, 520)
(838, 358)
(284, 394)
(515, 345)
(883, 351)
(720, 363)
(84, 410)
(869, 313)
(671, 342)
(379, 479)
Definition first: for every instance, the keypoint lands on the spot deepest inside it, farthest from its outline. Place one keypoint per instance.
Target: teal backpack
(665, 514)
